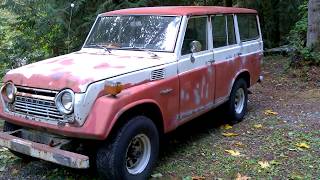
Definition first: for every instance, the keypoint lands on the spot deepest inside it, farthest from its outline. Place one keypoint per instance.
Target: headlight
(65, 101)
(9, 92)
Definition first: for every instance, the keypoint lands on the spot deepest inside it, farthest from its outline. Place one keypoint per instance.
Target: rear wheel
(131, 152)
(12, 127)
(236, 106)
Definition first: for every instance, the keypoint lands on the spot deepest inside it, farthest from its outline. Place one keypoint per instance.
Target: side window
(231, 30)
(219, 31)
(248, 27)
(196, 31)
(223, 30)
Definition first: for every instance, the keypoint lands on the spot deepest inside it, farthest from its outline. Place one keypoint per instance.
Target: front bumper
(44, 152)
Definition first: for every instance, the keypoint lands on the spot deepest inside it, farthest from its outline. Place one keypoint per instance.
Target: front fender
(107, 109)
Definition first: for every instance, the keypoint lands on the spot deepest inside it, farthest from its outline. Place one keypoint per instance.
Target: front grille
(37, 106)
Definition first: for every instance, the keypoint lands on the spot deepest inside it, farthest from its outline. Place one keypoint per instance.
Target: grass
(208, 158)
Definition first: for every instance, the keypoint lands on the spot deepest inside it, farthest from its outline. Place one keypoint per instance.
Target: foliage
(40, 29)
(32, 30)
(297, 38)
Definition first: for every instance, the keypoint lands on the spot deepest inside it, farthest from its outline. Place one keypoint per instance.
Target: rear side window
(248, 27)
(219, 31)
(196, 31)
(231, 31)
(223, 30)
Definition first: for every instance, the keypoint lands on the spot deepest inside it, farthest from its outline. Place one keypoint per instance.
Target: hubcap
(138, 154)
(239, 101)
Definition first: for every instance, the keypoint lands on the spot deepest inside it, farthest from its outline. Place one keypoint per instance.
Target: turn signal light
(113, 88)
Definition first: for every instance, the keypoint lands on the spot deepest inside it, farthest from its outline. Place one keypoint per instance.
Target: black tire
(12, 127)
(234, 114)
(111, 159)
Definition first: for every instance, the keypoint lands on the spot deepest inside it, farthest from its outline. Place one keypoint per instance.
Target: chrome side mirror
(195, 46)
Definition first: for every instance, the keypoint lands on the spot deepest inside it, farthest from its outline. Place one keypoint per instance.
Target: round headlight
(9, 92)
(65, 101)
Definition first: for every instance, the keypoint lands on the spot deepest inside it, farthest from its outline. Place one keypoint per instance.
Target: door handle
(211, 61)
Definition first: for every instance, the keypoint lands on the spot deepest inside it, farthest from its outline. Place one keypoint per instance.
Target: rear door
(226, 50)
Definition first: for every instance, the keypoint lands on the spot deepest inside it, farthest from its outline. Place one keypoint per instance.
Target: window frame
(257, 27)
(209, 46)
(226, 30)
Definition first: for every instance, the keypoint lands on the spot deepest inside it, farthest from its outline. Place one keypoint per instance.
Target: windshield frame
(134, 48)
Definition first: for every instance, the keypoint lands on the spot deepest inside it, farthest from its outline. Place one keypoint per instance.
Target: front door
(196, 72)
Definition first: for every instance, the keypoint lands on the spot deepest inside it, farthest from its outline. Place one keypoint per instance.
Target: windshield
(139, 32)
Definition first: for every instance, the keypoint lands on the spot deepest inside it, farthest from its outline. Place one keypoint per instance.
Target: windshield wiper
(100, 46)
(141, 49)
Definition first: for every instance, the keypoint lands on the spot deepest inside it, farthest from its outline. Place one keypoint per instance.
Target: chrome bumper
(44, 152)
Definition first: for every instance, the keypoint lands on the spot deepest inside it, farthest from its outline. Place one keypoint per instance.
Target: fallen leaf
(157, 175)
(242, 177)
(239, 144)
(233, 152)
(264, 164)
(226, 127)
(274, 162)
(257, 126)
(270, 112)
(303, 145)
(198, 178)
(230, 134)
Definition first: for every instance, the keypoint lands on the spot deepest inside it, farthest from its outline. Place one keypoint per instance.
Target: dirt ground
(278, 139)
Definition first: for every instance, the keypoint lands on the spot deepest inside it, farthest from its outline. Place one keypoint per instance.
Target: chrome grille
(37, 106)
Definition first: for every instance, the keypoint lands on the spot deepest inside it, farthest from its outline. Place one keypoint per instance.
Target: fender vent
(157, 74)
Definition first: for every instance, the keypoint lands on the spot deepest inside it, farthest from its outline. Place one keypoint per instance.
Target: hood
(78, 70)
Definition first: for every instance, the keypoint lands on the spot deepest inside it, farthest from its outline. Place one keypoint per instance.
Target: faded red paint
(76, 71)
(44, 152)
(106, 65)
(56, 81)
(227, 71)
(67, 62)
(106, 110)
(196, 88)
(181, 10)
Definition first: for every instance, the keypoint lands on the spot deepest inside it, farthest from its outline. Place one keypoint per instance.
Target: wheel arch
(147, 108)
(244, 75)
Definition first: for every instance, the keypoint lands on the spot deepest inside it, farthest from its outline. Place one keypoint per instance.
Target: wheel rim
(138, 154)
(239, 101)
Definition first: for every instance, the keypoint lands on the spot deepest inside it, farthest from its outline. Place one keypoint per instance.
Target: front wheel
(236, 107)
(131, 152)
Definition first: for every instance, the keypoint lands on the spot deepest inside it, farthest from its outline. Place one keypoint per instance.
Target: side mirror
(195, 46)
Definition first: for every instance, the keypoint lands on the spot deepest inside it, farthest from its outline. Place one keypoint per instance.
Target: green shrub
(302, 55)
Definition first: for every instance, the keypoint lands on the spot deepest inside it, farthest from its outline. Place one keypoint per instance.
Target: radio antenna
(69, 28)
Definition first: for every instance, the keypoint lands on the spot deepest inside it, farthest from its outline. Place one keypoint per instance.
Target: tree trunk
(228, 3)
(313, 37)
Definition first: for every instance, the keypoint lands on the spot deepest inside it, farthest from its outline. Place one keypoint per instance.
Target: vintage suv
(141, 73)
